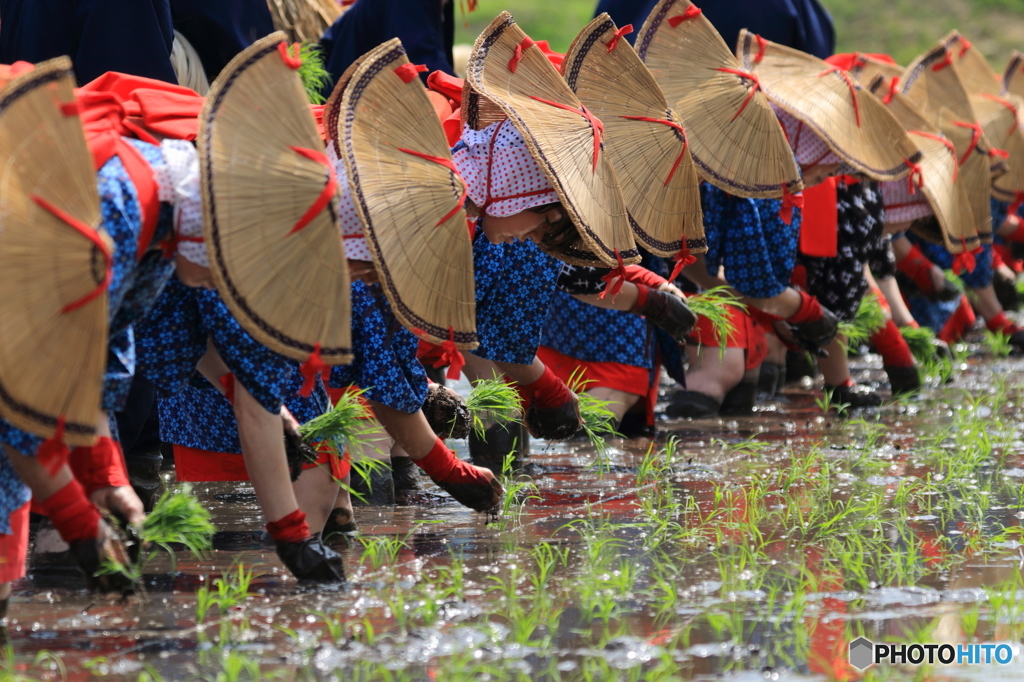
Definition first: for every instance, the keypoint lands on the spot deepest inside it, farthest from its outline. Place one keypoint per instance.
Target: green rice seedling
(825, 403)
(493, 400)
(598, 420)
(998, 343)
(313, 73)
(714, 304)
(518, 490)
(378, 549)
(227, 592)
(921, 343)
(347, 424)
(870, 317)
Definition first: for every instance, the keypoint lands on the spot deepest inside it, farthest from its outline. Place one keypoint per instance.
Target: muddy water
(756, 549)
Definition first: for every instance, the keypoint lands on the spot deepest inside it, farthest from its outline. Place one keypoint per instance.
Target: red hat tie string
(615, 279)
(946, 61)
(915, 173)
(407, 72)
(325, 195)
(762, 45)
(682, 258)
(451, 356)
(53, 452)
(965, 45)
(594, 121)
(671, 124)
(310, 370)
(1001, 153)
(450, 165)
(849, 83)
(975, 137)
(789, 202)
(894, 87)
(94, 237)
(744, 75)
(291, 60)
(1009, 105)
(517, 56)
(618, 35)
(947, 143)
(690, 12)
(1018, 201)
(965, 260)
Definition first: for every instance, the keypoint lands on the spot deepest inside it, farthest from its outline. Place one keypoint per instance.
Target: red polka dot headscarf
(351, 224)
(501, 175)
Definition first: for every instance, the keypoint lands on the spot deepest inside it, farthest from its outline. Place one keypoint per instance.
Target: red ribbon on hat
(517, 56)
(618, 273)
(965, 260)
(93, 236)
(325, 195)
(624, 31)
(292, 60)
(949, 146)
(53, 452)
(976, 133)
(594, 121)
(849, 83)
(450, 356)
(939, 66)
(1001, 153)
(915, 171)
(1009, 105)
(1018, 201)
(450, 165)
(310, 370)
(670, 124)
(407, 72)
(690, 12)
(682, 258)
(894, 87)
(789, 202)
(965, 45)
(762, 45)
(744, 75)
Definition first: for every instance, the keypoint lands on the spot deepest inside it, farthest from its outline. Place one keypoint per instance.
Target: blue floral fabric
(979, 278)
(747, 236)
(593, 334)
(514, 288)
(13, 494)
(199, 416)
(384, 363)
(172, 338)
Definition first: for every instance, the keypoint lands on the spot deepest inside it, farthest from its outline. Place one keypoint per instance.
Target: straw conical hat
(974, 70)
(939, 168)
(271, 227)
(409, 197)
(477, 111)
(304, 19)
(54, 261)
(508, 69)
(866, 69)
(644, 138)
(935, 88)
(735, 137)
(332, 107)
(1013, 76)
(853, 123)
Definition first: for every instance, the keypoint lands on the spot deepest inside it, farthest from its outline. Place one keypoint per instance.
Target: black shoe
(372, 484)
(690, 404)
(769, 381)
(310, 560)
(1017, 341)
(4, 603)
(498, 442)
(144, 475)
(405, 477)
(903, 380)
(800, 364)
(853, 397)
(1006, 292)
(634, 423)
(740, 400)
(340, 522)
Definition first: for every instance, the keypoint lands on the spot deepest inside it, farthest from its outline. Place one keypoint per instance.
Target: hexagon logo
(862, 653)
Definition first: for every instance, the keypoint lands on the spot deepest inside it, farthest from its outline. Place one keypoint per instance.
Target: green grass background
(902, 28)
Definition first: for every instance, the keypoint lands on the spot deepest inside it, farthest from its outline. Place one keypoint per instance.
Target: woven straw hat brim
(1000, 117)
(1013, 76)
(939, 174)
(304, 19)
(52, 359)
(477, 111)
(409, 205)
(867, 69)
(745, 154)
(974, 70)
(288, 287)
(561, 141)
(854, 124)
(332, 107)
(651, 157)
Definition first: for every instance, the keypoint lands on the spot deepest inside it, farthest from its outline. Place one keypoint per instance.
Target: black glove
(446, 412)
(666, 310)
(816, 333)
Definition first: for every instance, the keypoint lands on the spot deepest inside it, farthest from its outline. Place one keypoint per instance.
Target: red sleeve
(640, 275)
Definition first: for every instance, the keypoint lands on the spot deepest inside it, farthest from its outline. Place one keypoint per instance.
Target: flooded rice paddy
(744, 549)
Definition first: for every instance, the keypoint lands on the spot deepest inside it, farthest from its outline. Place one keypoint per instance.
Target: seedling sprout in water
(493, 400)
(598, 420)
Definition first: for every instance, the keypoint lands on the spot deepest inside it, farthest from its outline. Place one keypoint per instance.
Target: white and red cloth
(351, 225)
(809, 149)
(502, 177)
(177, 180)
(900, 205)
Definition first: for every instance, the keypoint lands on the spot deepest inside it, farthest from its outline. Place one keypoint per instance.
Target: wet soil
(752, 548)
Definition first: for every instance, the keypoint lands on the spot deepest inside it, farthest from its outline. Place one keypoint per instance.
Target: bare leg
(714, 373)
(776, 350)
(900, 313)
(35, 475)
(784, 305)
(835, 368)
(621, 402)
(986, 302)
(316, 493)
